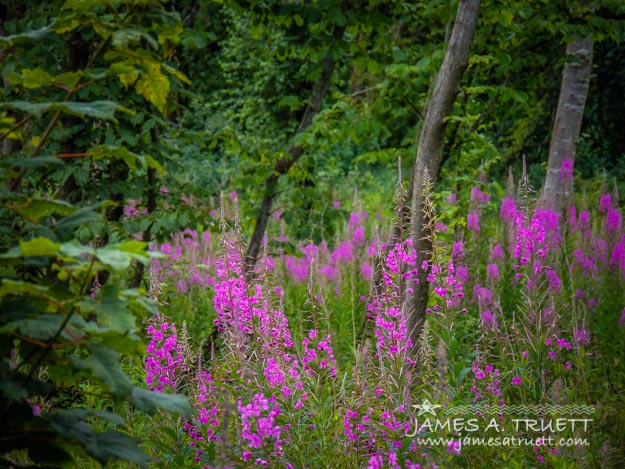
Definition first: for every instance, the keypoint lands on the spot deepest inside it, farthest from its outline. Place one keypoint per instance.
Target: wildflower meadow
(309, 362)
(321, 234)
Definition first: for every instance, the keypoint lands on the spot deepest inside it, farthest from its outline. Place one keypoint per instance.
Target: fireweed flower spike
(262, 387)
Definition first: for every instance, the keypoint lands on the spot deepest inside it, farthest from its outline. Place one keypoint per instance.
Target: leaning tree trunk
(294, 152)
(568, 121)
(429, 155)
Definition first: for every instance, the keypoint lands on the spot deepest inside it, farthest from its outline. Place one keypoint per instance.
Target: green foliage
(62, 333)
(102, 141)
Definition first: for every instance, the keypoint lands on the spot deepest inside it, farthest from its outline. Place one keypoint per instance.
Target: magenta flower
(489, 320)
(482, 295)
(497, 253)
(508, 211)
(473, 222)
(618, 256)
(462, 273)
(478, 196)
(613, 220)
(131, 211)
(359, 236)
(454, 447)
(605, 203)
(554, 280)
(297, 268)
(457, 250)
(343, 253)
(493, 272)
(164, 356)
(356, 219)
(516, 381)
(582, 336)
(366, 271)
(375, 462)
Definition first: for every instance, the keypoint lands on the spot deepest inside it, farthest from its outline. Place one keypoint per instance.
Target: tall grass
(526, 308)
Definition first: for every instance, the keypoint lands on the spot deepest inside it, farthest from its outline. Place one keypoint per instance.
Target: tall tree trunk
(568, 121)
(429, 155)
(283, 165)
(147, 233)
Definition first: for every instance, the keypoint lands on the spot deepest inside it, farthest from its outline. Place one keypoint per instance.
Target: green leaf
(113, 444)
(122, 38)
(45, 327)
(12, 385)
(119, 256)
(127, 345)
(126, 72)
(337, 16)
(108, 416)
(104, 365)
(153, 85)
(113, 311)
(38, 77)
(114, 258)
(155, 165)
(177, 73)
(68, 79)
(41, 329)
(116, 152)
(150, 401)
(39, 247)
(26, 37)
(98, 109)
(68, 225)
(75, 249)
(18, 288)
(141, 300)
(133, 246)
(102, 446)
(505, 16)
(170, 33)
(291, 101)
(35, 209)
(30, 162)
(35, 78)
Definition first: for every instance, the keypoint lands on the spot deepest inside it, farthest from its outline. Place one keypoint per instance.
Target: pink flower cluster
(259, 428)
(390, 324)
(485, 379)
(165, 358)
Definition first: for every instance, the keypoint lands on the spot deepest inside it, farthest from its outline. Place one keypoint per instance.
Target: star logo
(426, 408)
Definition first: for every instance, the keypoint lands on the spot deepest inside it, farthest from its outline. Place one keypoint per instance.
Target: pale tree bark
(568, 121)
(430, 153)
(293, 154)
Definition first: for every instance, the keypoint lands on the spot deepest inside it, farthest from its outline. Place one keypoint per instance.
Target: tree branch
(284, 164)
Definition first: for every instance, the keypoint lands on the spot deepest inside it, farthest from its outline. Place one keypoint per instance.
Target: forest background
(182, 181)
